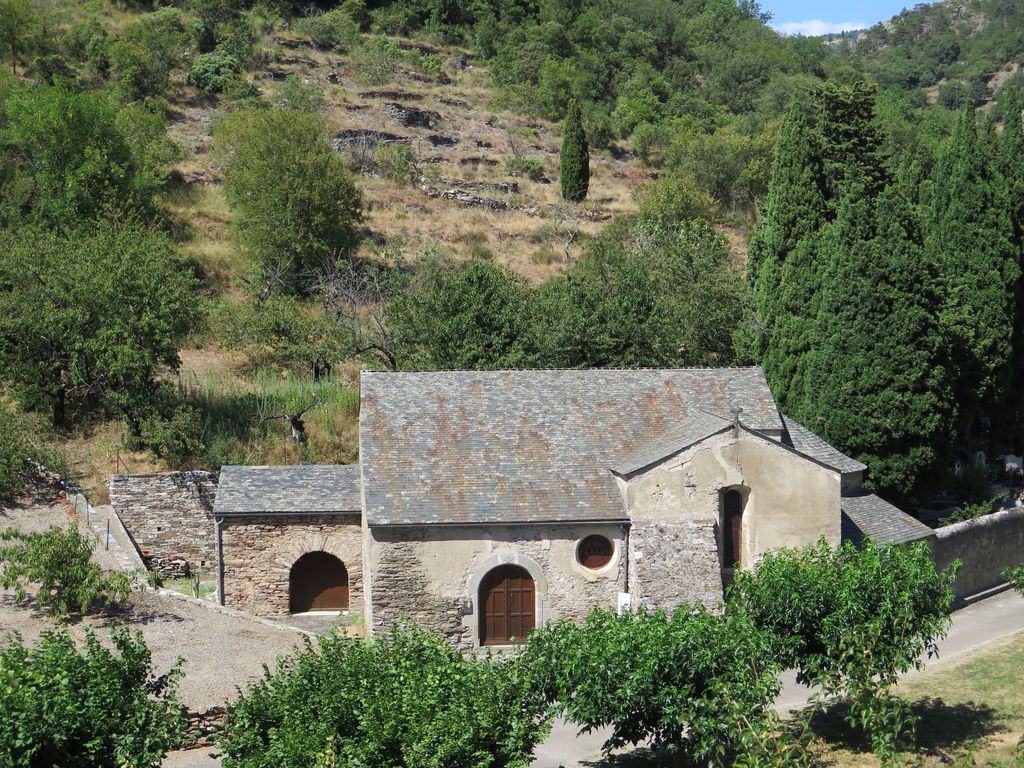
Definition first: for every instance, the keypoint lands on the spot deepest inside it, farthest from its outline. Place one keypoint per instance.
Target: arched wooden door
(507, 605)
(318, 582)
(732, 529)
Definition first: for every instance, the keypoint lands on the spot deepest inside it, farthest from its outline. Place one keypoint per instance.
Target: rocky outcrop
(410, 117)
(391, 95)
(505, 187)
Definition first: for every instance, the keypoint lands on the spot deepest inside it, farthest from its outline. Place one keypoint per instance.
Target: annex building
(486, 503)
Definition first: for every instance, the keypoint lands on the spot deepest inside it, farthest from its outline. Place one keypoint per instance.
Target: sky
(807, 17)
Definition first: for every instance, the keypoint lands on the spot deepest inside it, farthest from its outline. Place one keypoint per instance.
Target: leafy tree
(574, 167)
(19, 24)
(852, 620)
(93, 707)
(71, 160)
(692, 683)
(18, 449)
(60, 563)
(469, 317)
(404, 699)
(644, 296)
(674, 200)
(296, 202)
(879, 388)
(970, 242)
(148, 51)
(93, 317)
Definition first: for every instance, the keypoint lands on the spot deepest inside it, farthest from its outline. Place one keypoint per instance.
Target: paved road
(973, 627)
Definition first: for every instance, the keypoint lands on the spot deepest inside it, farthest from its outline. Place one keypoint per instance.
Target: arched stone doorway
(318, 581)
(508, 608)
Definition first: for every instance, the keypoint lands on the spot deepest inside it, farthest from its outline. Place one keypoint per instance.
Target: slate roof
(304, 488)
(460, 447)
(801, 439)
(868, 515)
(690, 431)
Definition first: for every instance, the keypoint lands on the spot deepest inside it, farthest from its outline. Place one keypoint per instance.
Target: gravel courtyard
(221, 651)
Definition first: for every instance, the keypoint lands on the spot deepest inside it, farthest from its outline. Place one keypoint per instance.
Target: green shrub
(400, 700)
(376, 61)
(92, 708)
(334, 29)
(852, 620)
(530, 167)
(60, 564)
(295, 94)
(212, 72)
(397, 162)
(689, 683)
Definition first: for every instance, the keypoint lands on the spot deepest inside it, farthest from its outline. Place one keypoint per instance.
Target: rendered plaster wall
(432, 574)
(789, 501)
(169, 515)
(985, 545)
(259, 552)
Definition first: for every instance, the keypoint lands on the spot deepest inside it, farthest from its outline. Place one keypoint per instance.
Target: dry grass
(972, 713)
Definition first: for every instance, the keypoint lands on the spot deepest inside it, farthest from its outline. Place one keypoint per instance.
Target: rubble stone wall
(169, 516)
(260, 550)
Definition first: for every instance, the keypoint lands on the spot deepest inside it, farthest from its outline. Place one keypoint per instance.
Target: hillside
(950, 53)
(294, 194)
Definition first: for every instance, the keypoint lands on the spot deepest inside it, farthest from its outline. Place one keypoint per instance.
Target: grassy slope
(529, 239)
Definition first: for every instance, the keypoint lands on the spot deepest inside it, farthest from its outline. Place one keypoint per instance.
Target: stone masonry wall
(673, 563)
(432, 575)
(169, 515)
(986, 546)
(259, 552)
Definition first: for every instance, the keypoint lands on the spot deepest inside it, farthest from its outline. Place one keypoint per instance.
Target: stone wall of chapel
(432, 574)
(259, 552)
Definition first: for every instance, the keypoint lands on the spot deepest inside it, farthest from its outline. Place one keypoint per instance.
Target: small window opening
(595, 552)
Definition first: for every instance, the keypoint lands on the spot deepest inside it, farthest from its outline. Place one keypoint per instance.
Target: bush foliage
(88, 708)
(852, 620)
(691, 683)
(58, 563)
(400, 700)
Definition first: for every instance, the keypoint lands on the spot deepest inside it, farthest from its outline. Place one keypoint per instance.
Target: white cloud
(815, 27)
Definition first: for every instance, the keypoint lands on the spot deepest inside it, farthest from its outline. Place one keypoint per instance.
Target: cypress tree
(970, 244)
(877, 386)
(574, 165)
(1011, 157)
(782, 266)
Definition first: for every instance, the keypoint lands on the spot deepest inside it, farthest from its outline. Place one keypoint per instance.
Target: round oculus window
(595, 552)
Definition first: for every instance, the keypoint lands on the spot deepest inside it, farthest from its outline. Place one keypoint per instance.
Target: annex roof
(303, 488)
(869, 516)
(802, 440)
(460, 447)
(691, 430)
